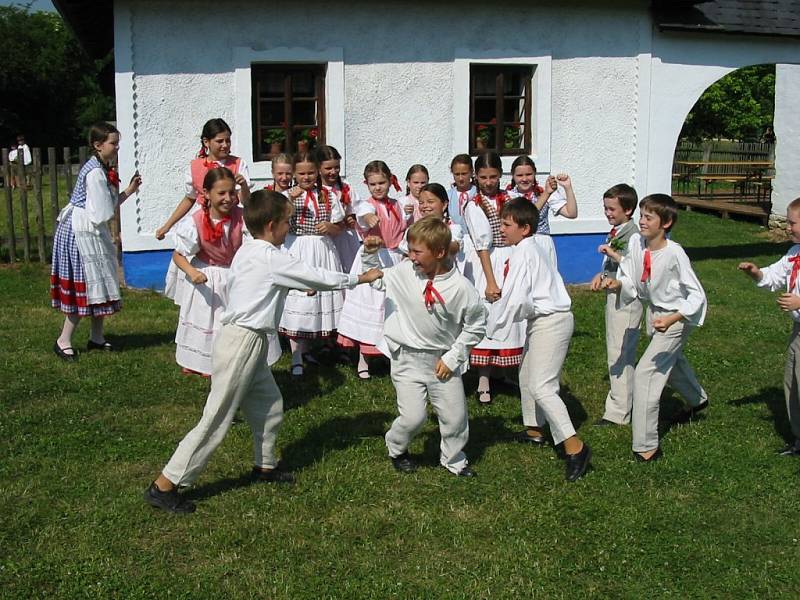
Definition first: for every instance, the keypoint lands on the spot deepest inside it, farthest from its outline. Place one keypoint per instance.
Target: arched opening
(724, 157)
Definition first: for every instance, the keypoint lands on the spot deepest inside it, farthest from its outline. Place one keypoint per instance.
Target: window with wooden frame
(500, 109)
(288, 108)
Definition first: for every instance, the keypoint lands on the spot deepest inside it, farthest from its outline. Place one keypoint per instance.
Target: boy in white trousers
(533, 292)
(434, 317)
(622, 320)
(261, 276)
(658, 272)
(783, 275)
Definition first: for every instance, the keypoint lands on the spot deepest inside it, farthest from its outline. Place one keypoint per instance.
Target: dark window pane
(485, 110)
(304, 112)
(303, 84)
(483, 83)
(272, 113)
(513, 110)
(271, 85)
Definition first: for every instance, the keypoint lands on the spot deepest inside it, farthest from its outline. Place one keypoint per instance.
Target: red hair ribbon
(203, 152)
(431, 295)
(510, 186)
(613, 233)
(211, 232)
(395, 183)
(113, 177)
(537, 189)
(505, 269)
(310, 199)
(647, 267)
(795, 260)
(500, 199)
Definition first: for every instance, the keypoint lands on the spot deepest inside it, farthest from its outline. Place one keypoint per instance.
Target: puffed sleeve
(337, 210)
(185, 237)
(693, 305)
(557, 200)
(515, 303)
(100, 201)
(402, 247)
(776, 276)
(245, 171)
(187, 183)
(478, 226)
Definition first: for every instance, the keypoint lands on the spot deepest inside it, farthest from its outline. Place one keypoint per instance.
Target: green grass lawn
(717, 517)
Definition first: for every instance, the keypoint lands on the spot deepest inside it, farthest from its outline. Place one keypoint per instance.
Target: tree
(737, 107)
(48, 85)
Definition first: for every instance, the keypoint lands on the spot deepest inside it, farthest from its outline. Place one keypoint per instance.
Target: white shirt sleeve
(100, 203)
(245, 171)
(515, 303)
(693, 305)
(188, 188)
(26, 155)
(294, 274)
(473, 330)
(185, 237)
(776, 276)
(478, 226)
(557, 200)
(337, 210)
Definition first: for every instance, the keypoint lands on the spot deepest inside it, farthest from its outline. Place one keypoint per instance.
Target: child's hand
(161, 233)
(326, 228)
(371, 220)
(241, 181)
(610, 284)
(564, 180)
(597, 283)
(370, 276)
(372, 243)
(408, 209)
(550, 185)
(311, 292)
(751, 270)
(443, 372)
(492, 292)
(198, 277)
(133, 186)
(789, 302)
(610, 252)
(661, 324)
(295, 192)
(350, 221)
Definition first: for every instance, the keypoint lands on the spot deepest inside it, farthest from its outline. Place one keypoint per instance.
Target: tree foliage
(737, 107)
(48, 85)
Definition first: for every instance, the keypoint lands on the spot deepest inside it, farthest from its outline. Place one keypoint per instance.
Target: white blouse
(478, 226)
(777, 276)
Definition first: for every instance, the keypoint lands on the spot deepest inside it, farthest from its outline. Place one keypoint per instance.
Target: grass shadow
(138, 341)
(742, 251)
(484, 432)
(316, 381)
(220, 486)
(773, 399)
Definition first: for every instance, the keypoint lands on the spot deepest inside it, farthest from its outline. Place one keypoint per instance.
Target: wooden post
(68, 171)
(12, 236)
(37, 192)
(53, 175)
(83, 156)
(23, 198)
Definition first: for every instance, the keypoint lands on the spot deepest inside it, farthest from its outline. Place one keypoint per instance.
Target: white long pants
(622, 337)
(240, 377)
(663, 362)
(415, 380)
(546, 348)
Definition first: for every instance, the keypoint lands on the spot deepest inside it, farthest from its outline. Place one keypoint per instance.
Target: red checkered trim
(503, 357)
(306, 335)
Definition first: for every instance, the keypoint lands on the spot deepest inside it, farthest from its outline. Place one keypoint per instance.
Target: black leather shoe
(270, 476)
(467, 472)
(690, 413)
(792, 449)
(604, 423)
(524, 438)
(578, 464)
(64, 355)
(170, 501)
(403, 463)
(658, 454)
(105, 346)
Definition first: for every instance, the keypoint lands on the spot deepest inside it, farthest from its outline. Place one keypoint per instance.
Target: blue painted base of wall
(578, 261)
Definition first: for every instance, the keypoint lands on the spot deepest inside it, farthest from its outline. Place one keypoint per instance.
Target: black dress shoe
(524, 438)
(63, 355)
(690, 413)
(403, 463)
(467, 472)
(656, 455)
(792, 449)
(270, 476)
(105, 346)
(169, 501)
(578, 464)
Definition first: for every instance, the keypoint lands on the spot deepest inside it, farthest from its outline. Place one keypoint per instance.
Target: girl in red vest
(211, 236)
(215, 151)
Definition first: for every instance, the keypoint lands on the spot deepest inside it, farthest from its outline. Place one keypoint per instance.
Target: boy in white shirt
(622, 320)
(261, 276)
(533, 292)
(658, 272)
(783, 275)
(434, 317)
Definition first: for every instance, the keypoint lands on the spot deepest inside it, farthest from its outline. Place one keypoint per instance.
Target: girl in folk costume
(215, 151)
(316, 221)
(416, 178)
(461, 191)
(556, 197)
(433, 201)
(348, 241)
(361, 323)
(282, 176)
(83, 279)
(211, 236)
(489, 268)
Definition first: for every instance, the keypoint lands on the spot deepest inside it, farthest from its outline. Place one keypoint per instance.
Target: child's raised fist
(372, 243)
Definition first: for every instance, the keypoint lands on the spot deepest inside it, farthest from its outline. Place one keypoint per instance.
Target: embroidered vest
(308, 214)
(392, 225)
(491, 207)
(220, 253)
(199, 167)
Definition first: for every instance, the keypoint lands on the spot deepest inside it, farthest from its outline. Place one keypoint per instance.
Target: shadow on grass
(315, 381)
(137, 341)
(742, 251)
(774, 400)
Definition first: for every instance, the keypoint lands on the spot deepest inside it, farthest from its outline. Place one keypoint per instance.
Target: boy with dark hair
(533, 292)
(622, 321)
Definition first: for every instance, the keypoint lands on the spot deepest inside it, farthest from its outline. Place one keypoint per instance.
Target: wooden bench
(740, 174)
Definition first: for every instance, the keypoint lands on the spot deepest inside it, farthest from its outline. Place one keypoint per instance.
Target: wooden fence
(31, 209)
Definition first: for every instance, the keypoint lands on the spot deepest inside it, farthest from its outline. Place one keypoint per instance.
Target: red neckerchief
(431, 295)
(390, 208)
(310, 199)
(210, 164)
(463, 198)
(795, 260)
(113, 177)
(270, 187)
(505, 269)
(613, 233)
(346, 195)
(211, 232)
(647, 266)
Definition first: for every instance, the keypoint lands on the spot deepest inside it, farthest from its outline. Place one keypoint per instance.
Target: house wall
(786, 186)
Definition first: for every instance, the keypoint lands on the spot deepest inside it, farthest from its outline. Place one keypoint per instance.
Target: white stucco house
(597, 89)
